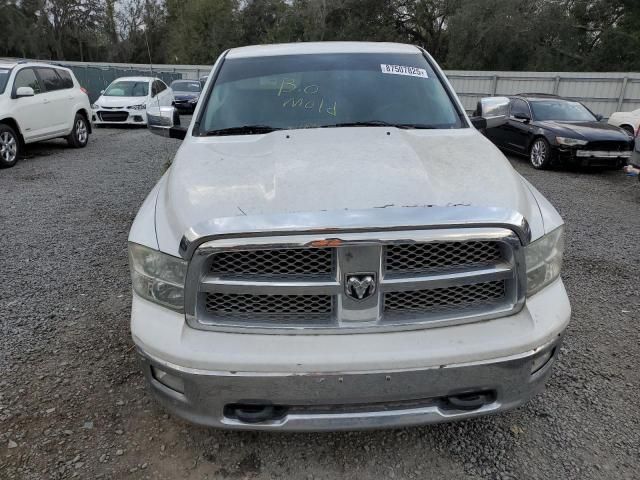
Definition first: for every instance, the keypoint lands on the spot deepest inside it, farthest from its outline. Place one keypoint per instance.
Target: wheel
(10, 147)
(540, 154)
(79, 136)
(629, 129)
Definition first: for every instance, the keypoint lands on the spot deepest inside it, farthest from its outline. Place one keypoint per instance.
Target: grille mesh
(298, 269)
(428, 257)
(608, 145)
(248, 306)
(456, 297)
(274, 263)
(113, 116)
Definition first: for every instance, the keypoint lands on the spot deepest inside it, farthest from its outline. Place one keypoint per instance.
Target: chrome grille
(444, 298)
(422, 278)
(273, 263)
(426, 257)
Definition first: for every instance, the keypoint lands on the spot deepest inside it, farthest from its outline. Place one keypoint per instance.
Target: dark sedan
(186, 94)
(551, 130)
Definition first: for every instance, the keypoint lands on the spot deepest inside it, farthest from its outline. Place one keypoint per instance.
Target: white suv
(39, 101)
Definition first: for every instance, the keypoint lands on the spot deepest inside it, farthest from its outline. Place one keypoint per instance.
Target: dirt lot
(73, 403)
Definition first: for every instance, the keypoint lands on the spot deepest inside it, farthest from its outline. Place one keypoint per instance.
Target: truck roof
(301, 48)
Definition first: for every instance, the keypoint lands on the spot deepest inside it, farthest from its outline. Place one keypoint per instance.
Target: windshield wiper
(243, 130)
(380, 123)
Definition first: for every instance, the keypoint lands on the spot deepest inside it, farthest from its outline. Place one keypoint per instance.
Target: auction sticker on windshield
(404, 70)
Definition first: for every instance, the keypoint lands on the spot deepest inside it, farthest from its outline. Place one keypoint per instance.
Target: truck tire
(79, 136)
(10, 146)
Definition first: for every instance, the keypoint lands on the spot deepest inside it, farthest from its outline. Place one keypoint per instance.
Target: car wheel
(10, 147)
(540, 154)
(79, 136)
(628, 129)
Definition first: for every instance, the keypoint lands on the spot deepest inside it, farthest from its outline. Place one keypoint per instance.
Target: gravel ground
(73, 403)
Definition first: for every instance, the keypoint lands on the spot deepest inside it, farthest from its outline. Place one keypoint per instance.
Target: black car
(186, 94)
(552, 130)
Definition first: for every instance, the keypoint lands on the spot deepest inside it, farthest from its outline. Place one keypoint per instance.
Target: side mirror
(491, 112)
(101, 92)
(25, 92)
(165, 121)
(599, 116)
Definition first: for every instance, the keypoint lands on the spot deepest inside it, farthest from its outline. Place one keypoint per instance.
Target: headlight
(158, 277)
(570, 142)
(95, 106)
(137, 107)
(194, 100)
(544, 260)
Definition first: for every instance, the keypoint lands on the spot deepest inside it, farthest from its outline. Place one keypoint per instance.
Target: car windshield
(4, 78)
(328, 90)
(127, 88)
(561, 110)
(182, 86)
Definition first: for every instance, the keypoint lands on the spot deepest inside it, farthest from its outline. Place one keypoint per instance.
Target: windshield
(182, 86)
(4, 78)
(128, 88)
(561, 110)
(323, 90)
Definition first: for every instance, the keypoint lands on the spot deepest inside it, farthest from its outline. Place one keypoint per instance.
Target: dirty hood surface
(333, 169)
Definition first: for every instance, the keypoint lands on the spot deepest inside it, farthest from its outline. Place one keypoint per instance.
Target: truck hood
(334, 169)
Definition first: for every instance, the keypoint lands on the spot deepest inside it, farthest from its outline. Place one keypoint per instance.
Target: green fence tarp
(96, 79)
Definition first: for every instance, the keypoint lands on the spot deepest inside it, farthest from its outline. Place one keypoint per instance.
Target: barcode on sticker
(404, 70)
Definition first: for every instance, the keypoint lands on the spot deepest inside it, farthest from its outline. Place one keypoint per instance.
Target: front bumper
(350, 400)
(593, 158)
(185, 105)
(119, 117)
(349, 381)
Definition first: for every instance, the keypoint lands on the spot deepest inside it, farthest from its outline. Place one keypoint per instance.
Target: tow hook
(254, 413)
(470, 401)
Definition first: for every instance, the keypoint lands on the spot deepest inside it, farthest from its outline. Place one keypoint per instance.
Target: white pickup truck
(337, 246)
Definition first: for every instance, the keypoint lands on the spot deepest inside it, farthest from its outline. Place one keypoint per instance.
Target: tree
(72, 22)
(143, 31)
(425, 23)
(199, 30)
(461, 34)
(265, 21)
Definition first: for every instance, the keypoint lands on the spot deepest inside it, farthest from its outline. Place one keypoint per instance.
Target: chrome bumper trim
(327, 225)
(602, 154)
(208, 392)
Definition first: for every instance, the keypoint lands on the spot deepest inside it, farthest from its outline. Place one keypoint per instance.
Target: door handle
(45, 100)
